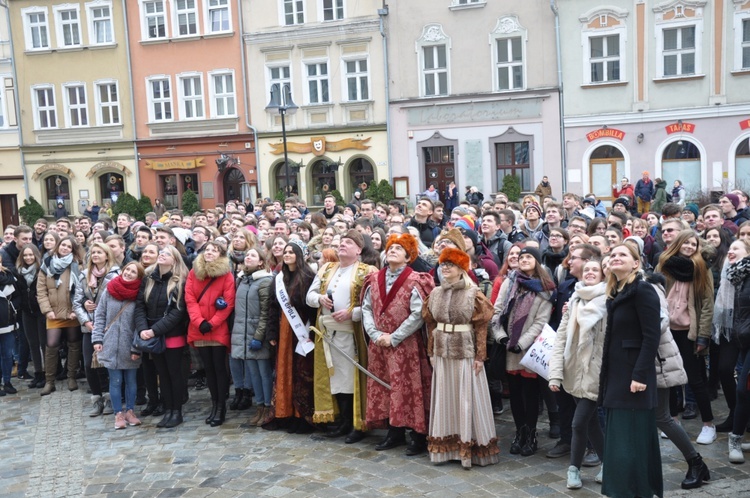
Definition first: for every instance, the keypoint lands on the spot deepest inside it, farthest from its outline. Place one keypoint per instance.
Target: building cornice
(536, 93)
(658, 115)
(307, 32)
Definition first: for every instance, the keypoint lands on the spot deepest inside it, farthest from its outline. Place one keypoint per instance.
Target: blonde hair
(613, 285)
(107, 252)
(177, 281)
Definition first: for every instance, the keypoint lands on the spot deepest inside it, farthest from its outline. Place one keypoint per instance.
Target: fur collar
(204, 269)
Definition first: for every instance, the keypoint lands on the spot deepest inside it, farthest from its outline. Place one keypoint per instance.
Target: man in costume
(336, 290)
(397, 353)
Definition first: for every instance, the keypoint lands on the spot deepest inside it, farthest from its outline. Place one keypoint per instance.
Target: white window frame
(71, 108)
(160, 101)
(358, 75)
(91, 21)
(28, 28)
(3, 113)
(208, 9)
(187, 11)
(697, 22)
(282, 81)
(144, 16)
(112, 104)
(214, 97)
(509, 27)
(434, 72)
(60, 24)
(318, 79)
(336, 6)
(196, 101)
(298, 8)
(49, 110)
(586, 37)
(740, 17)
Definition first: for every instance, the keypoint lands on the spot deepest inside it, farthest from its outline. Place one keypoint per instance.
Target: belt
(450, 327)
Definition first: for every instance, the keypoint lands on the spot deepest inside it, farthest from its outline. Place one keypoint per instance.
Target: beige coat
(541, 310)
(701, 312)
(56, 298)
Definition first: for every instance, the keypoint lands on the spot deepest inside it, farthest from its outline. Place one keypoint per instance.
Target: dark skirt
(632, 459)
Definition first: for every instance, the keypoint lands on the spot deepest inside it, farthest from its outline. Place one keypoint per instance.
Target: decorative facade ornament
(319, 146)
(432, 33)
(507, 25)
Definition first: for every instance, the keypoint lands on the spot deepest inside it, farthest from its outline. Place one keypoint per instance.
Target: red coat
(198, 278)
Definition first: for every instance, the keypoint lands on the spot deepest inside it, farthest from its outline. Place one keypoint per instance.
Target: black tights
(54, 336)
(171, 380)
(215, 362)
(728, 354)
(524, 400)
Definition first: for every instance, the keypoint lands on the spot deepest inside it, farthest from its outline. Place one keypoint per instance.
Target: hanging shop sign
(319, 146)
(175, 164)
(605, 133)
(680, 127)
(745, 124)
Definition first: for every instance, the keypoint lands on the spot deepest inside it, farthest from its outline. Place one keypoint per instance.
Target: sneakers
(591, 459)
(707, 435)
(559, 450)
(120, 422)
(574, 478)
(131, 419)
(600, 476)
(663, 435)
(735, 449)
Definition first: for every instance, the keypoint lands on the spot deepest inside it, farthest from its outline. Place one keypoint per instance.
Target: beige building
(328, 54)
(74, 92)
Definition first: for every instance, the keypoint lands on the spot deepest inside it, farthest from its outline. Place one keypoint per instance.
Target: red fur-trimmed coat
(200, 276)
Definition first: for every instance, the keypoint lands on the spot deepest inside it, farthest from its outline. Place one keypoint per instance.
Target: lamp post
(281, 103)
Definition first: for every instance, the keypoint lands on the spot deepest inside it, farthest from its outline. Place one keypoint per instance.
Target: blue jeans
(116, 378)
(240, 373)
(261, 375)
(7, 345)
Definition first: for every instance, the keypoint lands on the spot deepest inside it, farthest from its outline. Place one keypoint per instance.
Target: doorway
(9, 210)
(606, 167)
(233, 180)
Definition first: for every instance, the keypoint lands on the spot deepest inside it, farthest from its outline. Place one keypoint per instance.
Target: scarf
(739, 271)
(57, 266)
(680, 268)
(29, 274)
(124, 290)
(521, 297)
(588, 308)
(237, 257)
(724, 303)
(95, 275)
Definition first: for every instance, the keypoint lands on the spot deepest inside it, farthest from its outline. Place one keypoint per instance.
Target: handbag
(155, 345)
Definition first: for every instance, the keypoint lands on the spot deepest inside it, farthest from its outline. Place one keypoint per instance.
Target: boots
(247, 400)
(696, 474)
(418, 444)
(239, 395)
(346, 414)
(212, 413)
(176, 418)
(735, 449)
(74, 358)
(258, 417)
(165, 420)
(37, 381)
(50, 370)
(107, 404)
(519, 441)
(396, 437)
(530, 447)
(220, 416)
(97, 405)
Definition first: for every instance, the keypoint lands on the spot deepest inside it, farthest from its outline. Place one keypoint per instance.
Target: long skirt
(632, 459)
(293, 386)
(462, 426)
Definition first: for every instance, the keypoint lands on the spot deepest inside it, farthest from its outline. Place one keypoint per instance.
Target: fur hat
(455, 236)
(407, 242)
(355, 237)
(534, 252)
(457, 257)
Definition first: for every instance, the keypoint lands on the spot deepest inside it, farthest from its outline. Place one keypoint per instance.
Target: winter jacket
(427, 231)
(58, 298)
(543, 190)
(251, 316)
(741, 320)
(660, 197)
(678, 196)
(27, 293)
(497, 247)
(669, 368)
(85, 293)
(200, 278)
(8, 312)
(626, 191)
(117, 341)
(701, 312)
(741, 217)
(162, 313)
(644, 190)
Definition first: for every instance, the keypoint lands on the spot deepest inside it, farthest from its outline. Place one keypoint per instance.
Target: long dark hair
(726, 239)
(297, 282)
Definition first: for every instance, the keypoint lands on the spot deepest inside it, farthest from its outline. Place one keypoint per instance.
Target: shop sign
(605, 133)
(745, 124)
(319, 146)
(176, 164)
(107, 165)
(680, 128)
(52, 167)
(447, 114)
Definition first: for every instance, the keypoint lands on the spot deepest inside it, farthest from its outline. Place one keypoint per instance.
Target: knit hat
(638, 241)
(407, 242)
(457, 257)
(455, 236)
(355, 237)
(734, 199)
(534, 205)
(692, 208)
(352, 207)
(589, 200)
(471, 234)
(533, 251)
(621, 200)
(299, 243)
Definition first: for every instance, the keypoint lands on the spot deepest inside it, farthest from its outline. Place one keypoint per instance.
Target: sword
(350, 359)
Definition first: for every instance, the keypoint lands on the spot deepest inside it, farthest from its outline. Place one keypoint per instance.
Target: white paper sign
(539, 354)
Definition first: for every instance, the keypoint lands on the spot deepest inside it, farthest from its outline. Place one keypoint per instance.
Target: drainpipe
(246, 99)
(383, 13)
(563, 151)
(16, 104)
(132, 100)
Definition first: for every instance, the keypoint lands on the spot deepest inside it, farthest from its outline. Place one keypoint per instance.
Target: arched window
(742, 165)
(607, 152)
(606, 168)
(58, 190)
(111, 186)
(280, 177)
(323, 180)
(681, 160)
(360, 171)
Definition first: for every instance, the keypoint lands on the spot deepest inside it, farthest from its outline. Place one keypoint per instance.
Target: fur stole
(203, 269)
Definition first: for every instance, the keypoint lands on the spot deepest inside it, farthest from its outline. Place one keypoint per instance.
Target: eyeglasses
(447, 264)
(446, 242)
(668, 230)
(556, 236)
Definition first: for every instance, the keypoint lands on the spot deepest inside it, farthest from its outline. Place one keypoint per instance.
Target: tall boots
(50, 370)
(346, 414)
(74, 358)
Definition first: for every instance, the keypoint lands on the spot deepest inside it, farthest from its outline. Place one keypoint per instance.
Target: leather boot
(164, 421)
(37, 381)
(239, 395)
(74, 358)
(256, 419)
(346, 414)
(247, 400)
(519, 441)
(220, 416)
(212, 413)
(531, 445)
(176, 418)
(50, 370)
(418, 444)
(396, 437)
(696, 474)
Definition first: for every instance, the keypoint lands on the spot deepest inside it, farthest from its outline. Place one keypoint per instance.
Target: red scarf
(123, 290)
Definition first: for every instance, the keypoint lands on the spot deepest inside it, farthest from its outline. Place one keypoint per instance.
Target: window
(58, 190)
(68, 27)
(279, 78)
(36, 29)
(435, 68)
(160, 99)
(187, 17)
(317, 83)
(605, 58)
(745, 45)
(218, 16)
(108, 104)
(509, 63)
(111, 186)
(333, 10)
(357, 80)
(75, 103)
(3, 121)
(294, 12)
(679, 51)
(100, 23)
(154, 20)
(191, 97)
(513, 159)
(681, 160)
(223, 100)
(46, 113)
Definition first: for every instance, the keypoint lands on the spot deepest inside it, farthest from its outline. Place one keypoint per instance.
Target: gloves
(503, 341)
(515, 349)
(255, 345)
(205, 327)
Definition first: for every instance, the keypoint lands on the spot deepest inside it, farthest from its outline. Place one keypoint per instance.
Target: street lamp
(281, 103)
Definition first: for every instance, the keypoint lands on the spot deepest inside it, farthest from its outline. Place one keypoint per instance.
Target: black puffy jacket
(161, 313)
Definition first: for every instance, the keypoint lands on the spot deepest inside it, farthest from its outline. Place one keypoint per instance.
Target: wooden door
(9, 210)
(605, 173)
(233, 180)
(439, 167)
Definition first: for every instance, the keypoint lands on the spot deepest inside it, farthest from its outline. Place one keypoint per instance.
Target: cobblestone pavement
(50, 448)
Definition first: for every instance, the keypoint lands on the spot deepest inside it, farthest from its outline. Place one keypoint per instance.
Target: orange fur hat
(457, 257)
(407, 241)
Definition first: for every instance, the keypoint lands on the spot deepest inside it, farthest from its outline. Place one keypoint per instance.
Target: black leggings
(215, 362)
(728, 354)
(150, 378)
(35, 328)
(96, 377)
(171, 380)
(585, 428)
(54, 336)
(693, 369)
(742, 410)
(524, 400)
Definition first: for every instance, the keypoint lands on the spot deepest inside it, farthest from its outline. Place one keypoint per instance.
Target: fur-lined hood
(203, 269)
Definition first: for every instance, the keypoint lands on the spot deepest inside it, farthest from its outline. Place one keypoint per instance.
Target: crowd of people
(365, 316)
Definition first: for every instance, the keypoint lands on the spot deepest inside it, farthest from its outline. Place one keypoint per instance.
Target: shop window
(681, 160)
(360, 171)
(742, 165)
(513, 159)
(57, 189)
(323, 180)
(173, 186)
(111, 186)
(280, 177)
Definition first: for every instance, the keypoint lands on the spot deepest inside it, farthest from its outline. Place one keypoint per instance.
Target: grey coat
(85, 293)
(117, 341)
(251, 316)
